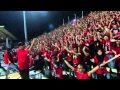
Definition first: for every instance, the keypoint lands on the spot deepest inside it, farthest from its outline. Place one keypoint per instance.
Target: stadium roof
(4, 34)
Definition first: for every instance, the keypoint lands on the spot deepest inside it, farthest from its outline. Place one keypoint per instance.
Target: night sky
(38, 22)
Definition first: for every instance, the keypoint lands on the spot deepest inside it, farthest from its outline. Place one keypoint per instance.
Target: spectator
(23, 58)
(8, 60)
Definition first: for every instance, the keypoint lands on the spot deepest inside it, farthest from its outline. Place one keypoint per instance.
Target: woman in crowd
(80, 71)
(99, 58)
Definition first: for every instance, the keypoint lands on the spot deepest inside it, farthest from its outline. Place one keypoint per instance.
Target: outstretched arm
(67, 50)
(93, 70)
(104, 63)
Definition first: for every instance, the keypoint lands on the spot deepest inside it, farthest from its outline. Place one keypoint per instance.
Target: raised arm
(71, 67)
(76, 39)
(98, 66)
(85, 53)
(110, 23)
(111, 34)
(56, 46)
(32, 43)
(67, 50)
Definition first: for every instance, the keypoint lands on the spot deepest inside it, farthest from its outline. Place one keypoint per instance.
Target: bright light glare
(43, 13)
(51, 26)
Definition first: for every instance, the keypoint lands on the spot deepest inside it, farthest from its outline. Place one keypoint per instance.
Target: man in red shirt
(8, 60)
(23, 59)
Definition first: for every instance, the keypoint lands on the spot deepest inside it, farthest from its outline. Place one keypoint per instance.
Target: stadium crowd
(80, 49)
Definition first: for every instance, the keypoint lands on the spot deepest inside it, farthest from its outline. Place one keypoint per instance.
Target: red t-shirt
(117, 49)
(81, 76)
(118, 34)
(45, 53)
(69, 58)
(14, 59)
(6, 57)
(76, 60)
(59, 72)
(23, 59)
(91, 40)
(74, 45)
(51, 64)
(63, 53)
(103, 70)
(108, 34)
(48, 55)
(102, 43)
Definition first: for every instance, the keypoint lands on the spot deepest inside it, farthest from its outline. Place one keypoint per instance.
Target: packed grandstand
(86, 48)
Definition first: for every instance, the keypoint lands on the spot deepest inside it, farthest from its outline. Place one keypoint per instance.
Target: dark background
(37, 22)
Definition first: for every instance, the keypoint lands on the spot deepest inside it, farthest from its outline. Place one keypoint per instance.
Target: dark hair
(54, 57)
(101, 50)
(21, 44)
(100, 57)
(8, 49)
(114, 44)
(87, 49)
(83, 65)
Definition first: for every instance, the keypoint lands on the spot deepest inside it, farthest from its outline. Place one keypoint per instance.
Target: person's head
(13, 50)
(86, 39)
(8, 49)
(21, 45)
(37, 57)
(75, 49)
(114, 26)
(100, 52)
(54, 58)
(113, 22)
(97, 43)
(70, 47)
(81, 68)
(106, 37)
(106, 28)
(100, 55)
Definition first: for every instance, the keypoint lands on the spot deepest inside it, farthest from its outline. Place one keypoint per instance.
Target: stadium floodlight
(43, 13)
(82, 14)
(25, 26)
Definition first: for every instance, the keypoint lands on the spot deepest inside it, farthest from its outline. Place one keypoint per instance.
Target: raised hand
(33, 41)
